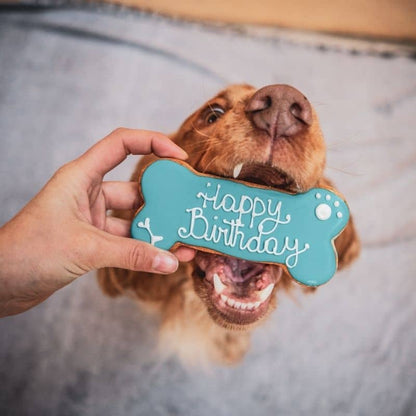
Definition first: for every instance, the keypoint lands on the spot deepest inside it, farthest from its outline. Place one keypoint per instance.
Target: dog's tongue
(231, 270)
(238, 271)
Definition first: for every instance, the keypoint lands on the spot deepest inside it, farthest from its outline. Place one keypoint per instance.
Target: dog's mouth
(265, 175)
(238, 290)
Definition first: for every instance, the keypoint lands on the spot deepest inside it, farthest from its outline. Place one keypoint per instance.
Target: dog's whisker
(210, 163)
(205, 141)
(347, 172)
(203, 134)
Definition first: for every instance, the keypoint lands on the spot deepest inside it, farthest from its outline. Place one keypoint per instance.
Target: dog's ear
(347, 243)
(113, 281)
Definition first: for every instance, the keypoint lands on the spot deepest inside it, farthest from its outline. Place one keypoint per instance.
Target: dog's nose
(280, 110)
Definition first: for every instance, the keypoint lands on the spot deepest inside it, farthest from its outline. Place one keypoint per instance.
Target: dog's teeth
(218, 285)
(249, 306)
(237, 170)
(265, 293)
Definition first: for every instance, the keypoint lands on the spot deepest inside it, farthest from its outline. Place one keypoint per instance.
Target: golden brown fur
(191, 325)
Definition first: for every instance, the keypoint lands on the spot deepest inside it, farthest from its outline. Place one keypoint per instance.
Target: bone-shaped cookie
(238, 219)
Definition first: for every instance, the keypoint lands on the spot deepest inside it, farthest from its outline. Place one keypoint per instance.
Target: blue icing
(236, 219)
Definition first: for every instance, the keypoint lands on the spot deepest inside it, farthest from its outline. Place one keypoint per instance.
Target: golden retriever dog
(209, 307)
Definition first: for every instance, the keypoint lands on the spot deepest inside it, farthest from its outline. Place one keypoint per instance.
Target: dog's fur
(216, 141)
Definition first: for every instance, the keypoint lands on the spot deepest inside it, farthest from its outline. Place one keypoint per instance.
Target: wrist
(21, 283)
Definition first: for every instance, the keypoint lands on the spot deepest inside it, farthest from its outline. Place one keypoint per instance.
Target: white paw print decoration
(324, 211)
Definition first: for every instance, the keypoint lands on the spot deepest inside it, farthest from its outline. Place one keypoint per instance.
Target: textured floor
(69, 77)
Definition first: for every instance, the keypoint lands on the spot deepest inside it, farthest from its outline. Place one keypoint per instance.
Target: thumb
(127, 253)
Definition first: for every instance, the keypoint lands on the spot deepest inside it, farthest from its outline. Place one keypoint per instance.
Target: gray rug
(67, 78)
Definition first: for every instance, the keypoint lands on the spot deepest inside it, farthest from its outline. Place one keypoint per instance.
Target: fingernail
(184, 154)
(165, 263)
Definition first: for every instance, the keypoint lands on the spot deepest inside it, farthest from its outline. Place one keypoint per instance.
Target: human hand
(64, 231)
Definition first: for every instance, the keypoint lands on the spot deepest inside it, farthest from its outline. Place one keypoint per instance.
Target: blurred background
(70, 72)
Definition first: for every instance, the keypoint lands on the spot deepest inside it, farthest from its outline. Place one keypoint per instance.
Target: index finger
(114, 148)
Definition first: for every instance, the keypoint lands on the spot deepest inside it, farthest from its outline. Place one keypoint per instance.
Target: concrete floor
(67, 78)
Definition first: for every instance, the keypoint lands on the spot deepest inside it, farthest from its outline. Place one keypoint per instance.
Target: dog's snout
(280, 110)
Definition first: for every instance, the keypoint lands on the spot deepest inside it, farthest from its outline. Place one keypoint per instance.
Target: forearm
(23, 281)
(12, 275)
